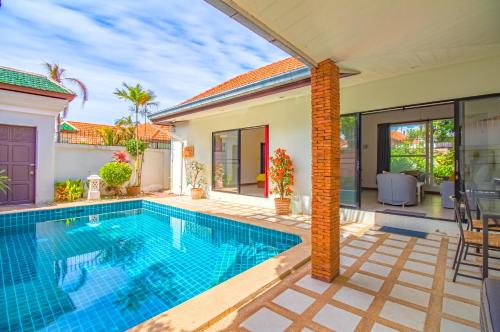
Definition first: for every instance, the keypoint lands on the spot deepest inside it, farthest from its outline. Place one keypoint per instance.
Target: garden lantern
(94, 185)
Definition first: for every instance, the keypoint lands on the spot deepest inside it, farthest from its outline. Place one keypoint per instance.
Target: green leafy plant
(115, 174)
(135, 149)
(69, 190)
(141, 101)
(4, 179)
(196, 176)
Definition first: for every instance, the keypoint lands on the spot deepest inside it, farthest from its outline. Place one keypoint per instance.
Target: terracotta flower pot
(196, 193)
(133, 190)
(282, 206)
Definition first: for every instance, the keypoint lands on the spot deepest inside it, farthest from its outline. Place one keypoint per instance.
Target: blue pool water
(109, 267)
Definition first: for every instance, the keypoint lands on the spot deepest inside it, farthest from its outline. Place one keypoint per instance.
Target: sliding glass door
(239, 161)
(480, 145)
(349, 160)
(226, 156)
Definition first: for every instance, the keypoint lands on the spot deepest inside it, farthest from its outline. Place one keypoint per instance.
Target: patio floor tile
(346, 260)
(389, 250)
(376, 269)
(361, 244)
(466, 292)
(294, 301)
(266, 320)
(337, 319)
(461, 309)
(451, 326)
(381, 328)
(395, 243)
(420, 267)
(410, 295)
(381, 258)
(423, 257)
(314, 285)
(415, 279)
(352, 251)
(403, 315)
(354, 298)
(367, 282)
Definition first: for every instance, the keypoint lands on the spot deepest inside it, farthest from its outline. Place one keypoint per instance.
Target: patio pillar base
(325, 230)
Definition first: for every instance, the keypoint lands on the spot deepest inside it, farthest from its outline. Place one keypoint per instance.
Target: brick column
(325, 231)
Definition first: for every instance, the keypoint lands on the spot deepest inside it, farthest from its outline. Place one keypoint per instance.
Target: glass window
(408, 147)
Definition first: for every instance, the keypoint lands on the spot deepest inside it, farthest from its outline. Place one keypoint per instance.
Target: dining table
(489, 208)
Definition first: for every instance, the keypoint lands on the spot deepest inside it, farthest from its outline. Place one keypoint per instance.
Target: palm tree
(58, 74)
(140, 100)
(145, 110)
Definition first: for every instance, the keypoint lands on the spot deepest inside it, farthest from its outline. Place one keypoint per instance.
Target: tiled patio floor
(388, 282)
(229, 209)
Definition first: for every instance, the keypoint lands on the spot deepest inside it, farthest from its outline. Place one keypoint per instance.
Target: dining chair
(477, 224)
(469, 238)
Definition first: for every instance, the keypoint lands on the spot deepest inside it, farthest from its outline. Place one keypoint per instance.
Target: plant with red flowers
(120, 157)
(281, 174)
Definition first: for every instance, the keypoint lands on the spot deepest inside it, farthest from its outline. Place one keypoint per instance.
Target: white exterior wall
(289, 127)
(22, 109)
(75, 161)
(290, 119)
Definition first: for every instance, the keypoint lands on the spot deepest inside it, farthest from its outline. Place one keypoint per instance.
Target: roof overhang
(379, 39)
(37, 92)
(273, 85)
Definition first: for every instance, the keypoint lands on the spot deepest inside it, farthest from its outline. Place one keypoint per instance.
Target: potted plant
(135, 149)
(281, 175)
(196, 178)
(219, 176)
(115, 174)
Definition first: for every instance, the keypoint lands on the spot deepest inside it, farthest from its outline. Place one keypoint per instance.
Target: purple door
(17, 158)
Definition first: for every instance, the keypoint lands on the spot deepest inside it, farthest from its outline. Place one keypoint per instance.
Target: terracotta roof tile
(273, 69)
(157, 132)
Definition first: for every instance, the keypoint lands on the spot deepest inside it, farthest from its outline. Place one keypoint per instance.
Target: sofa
(397, 189)
(447, 189)
(490, 305)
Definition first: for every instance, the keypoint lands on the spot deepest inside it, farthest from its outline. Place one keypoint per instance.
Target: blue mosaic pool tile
(108, 267)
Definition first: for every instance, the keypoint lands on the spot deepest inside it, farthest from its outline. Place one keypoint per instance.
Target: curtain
(383, 148)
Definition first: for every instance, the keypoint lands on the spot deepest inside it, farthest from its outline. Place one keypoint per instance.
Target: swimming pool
(108, 267)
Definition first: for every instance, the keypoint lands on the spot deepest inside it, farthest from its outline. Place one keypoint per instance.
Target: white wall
(369, 123)
(35, 111)
(290, 119)
(448, 82)
(75, 161)
(289, 123)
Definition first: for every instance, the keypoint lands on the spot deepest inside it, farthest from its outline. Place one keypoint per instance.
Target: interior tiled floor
(388, 282)
(430, 205)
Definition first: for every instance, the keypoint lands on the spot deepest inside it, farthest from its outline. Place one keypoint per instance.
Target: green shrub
(69, 190)
(115, 174)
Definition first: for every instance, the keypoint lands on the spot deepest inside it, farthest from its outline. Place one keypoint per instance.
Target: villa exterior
(459, 66)
(29, 105)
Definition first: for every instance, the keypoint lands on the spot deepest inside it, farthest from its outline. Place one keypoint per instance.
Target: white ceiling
(379, 38)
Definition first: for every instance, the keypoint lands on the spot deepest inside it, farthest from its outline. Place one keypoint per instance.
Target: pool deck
(388, 282)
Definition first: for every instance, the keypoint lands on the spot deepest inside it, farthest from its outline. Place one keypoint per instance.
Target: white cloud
(175, 48)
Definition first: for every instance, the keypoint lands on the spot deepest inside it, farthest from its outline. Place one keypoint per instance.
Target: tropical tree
(58, 74)
(140, 100)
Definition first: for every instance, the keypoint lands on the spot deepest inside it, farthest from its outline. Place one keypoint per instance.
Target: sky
(175, 48)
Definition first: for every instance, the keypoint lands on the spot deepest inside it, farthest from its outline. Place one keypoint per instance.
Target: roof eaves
(267, 83)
